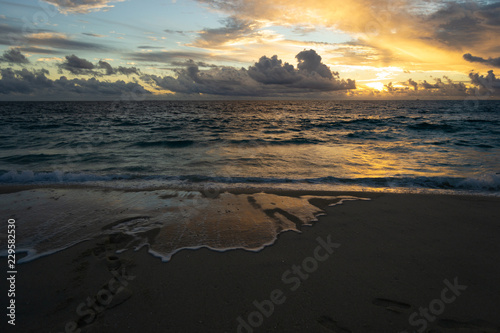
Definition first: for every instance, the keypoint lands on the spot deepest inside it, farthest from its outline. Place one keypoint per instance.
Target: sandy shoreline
(388, 260)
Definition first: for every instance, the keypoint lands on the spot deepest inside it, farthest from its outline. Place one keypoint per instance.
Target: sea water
(176, 175)
(376, 145)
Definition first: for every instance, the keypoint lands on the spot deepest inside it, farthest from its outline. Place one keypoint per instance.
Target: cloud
(486, 85)
(268, 77)
(93, 35)
(180, 32)
(428, 85)
(119, 70)
(426, 33)
(24, 38)
(466, 24)
(81, 6)
(166, 56)
(273, 71)
(36, 49)
(80, 66)
(149, 47)
(389, 87)
(413, 84)
(106, 66)
(60, 41)
(14, 56)
(190, 62)
(310, 61)
(495, 62)
(311, 73)
(35, 84)
(76, 65)
(22, 81)
(234, 31)
(442, 88)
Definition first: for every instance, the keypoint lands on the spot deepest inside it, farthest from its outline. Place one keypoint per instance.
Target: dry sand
(400, 262)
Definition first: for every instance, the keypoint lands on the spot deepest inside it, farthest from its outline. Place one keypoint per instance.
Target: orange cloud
(420, 35)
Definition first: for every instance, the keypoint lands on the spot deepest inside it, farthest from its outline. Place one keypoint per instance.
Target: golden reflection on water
(341, 161)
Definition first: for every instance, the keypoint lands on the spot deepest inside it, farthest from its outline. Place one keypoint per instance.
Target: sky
(245, 49)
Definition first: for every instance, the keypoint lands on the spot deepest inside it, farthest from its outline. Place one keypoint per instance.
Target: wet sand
(399, 262)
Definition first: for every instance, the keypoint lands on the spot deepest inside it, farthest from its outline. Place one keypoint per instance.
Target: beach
(394, 263)
(247, 166)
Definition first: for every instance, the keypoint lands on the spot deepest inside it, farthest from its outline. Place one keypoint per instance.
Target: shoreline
(395, 254)
(206, 189)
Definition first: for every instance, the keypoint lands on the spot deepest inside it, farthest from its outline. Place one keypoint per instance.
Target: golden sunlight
(376, 85)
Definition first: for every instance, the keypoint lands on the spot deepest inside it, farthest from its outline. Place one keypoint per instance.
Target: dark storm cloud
(428, 85)
(311, 73)
(225, 81)
(273, 71)
(487, 82)
(452, 88)
(310, 62)
(106, 66)
(490, 14)
(76, 65)
(191, 62)
(268, 77)
(465, 24)
(14, 56)
(25, 83)
(443, 87)
(109, 70)
(413, 84)
(80, 66)
(495, 62)
(390, 88)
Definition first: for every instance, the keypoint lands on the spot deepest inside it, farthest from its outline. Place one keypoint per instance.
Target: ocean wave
(169, 144)
(31, 158)
(426, 126)
(481, 183)
(278, 142)
(30, 177)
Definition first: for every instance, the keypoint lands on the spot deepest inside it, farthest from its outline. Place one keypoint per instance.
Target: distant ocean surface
(325, 145)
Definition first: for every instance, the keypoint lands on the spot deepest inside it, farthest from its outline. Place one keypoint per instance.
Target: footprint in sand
(391, 305)
(113, 262)
(331, 325)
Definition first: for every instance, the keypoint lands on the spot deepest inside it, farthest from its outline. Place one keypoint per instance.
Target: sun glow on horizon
(376, 85)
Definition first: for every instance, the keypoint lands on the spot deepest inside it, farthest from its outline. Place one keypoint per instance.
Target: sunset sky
(214, 49)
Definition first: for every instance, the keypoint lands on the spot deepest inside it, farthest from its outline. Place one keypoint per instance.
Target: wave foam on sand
(166, 221)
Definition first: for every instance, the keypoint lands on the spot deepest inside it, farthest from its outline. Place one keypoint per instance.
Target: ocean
(329, 145)
(177, 175)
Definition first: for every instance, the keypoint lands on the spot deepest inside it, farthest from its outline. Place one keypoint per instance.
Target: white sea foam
(164, 221)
